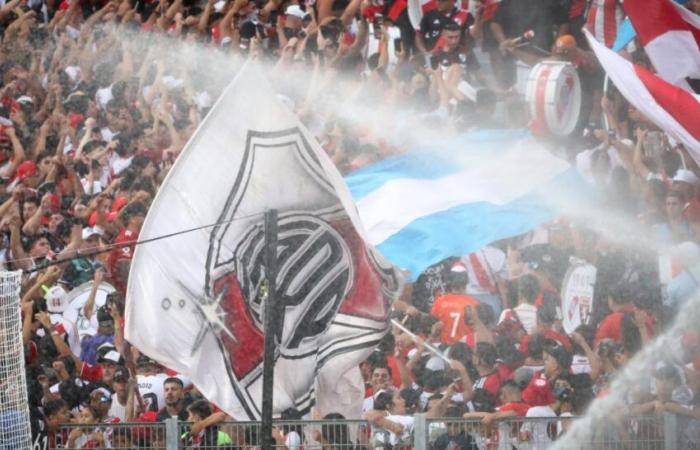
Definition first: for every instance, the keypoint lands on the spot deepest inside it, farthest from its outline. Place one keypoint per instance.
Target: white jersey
(117, 409)
(151, 390)
(68, 331)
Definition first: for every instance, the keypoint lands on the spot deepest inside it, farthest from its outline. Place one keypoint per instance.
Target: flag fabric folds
(670, 34)
(670, 107)
(195, 301)
(457, 197)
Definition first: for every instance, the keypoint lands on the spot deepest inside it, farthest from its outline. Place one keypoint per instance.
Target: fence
(667, 432)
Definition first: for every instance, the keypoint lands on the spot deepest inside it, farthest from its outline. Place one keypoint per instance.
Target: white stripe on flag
(401, 201)
(675, 55)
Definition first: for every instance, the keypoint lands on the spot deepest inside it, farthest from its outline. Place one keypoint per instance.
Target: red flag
(670, 107)
(670, 35)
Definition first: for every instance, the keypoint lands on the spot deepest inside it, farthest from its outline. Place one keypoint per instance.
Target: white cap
(25, 99)
(435, 364)
(56, 301)
(686, 176)
(112, 356)
(296, 11)
(91, 231)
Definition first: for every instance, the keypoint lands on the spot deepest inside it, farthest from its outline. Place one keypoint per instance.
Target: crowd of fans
(97, 99)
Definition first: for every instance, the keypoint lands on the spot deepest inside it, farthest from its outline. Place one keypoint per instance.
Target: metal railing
(652, 432)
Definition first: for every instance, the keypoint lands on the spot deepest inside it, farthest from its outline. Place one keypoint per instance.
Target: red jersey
(520, 408)
(493, 381)
(119, 254)
(449, 309)
(611, 326)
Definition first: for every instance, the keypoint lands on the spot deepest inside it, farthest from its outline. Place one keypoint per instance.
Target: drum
(554, 95)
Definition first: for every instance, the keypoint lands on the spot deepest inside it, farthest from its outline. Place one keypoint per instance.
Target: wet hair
(621, 293)
(483, 401)
(528, 288)
(52, 407)
(175, 380)
(487, 353)
(631, 337)
(383, 401)
(509, 385)
(202, 408)
(486, 314)
(411, 397)
(535, 346)
(456, 281)
(559, 353)
(451, 26)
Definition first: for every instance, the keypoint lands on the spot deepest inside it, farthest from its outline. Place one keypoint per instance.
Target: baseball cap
(112, 356)
(121, 374)
(436, 364)
(88, 232)
(56, 301)
(686, 176)
(26, 169)
(25, 99)
(102, 394)
(296, 11)
(144, 360)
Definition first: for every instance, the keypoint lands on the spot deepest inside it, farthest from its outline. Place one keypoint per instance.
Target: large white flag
(194, 301)
(670, 107)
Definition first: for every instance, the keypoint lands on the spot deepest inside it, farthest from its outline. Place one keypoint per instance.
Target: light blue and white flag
(460, 195)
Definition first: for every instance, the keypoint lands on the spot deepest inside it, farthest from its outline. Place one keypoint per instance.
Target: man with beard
(174, 400)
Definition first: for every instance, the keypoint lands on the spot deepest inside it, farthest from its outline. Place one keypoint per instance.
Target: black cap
(121, 374)
(144, 360)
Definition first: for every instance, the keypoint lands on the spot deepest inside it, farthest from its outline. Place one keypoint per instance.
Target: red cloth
(91, 373)
(395, 375)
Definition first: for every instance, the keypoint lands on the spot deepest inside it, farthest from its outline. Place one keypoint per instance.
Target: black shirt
(432, 23)
(518, 16)
(163, 415)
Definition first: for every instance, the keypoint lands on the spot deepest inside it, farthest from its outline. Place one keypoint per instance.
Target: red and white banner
(670, 34)
(604, 18)
(195, 301)
(670, 107)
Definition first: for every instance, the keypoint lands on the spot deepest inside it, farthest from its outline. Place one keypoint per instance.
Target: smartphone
(612, 135)
(397, 45)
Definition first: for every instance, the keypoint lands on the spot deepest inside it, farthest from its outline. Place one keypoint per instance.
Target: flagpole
(270, 324)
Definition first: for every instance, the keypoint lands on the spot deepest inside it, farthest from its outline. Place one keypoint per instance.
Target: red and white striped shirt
(604, 17)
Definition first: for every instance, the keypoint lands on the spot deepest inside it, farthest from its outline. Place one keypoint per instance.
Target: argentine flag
(458, 196)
